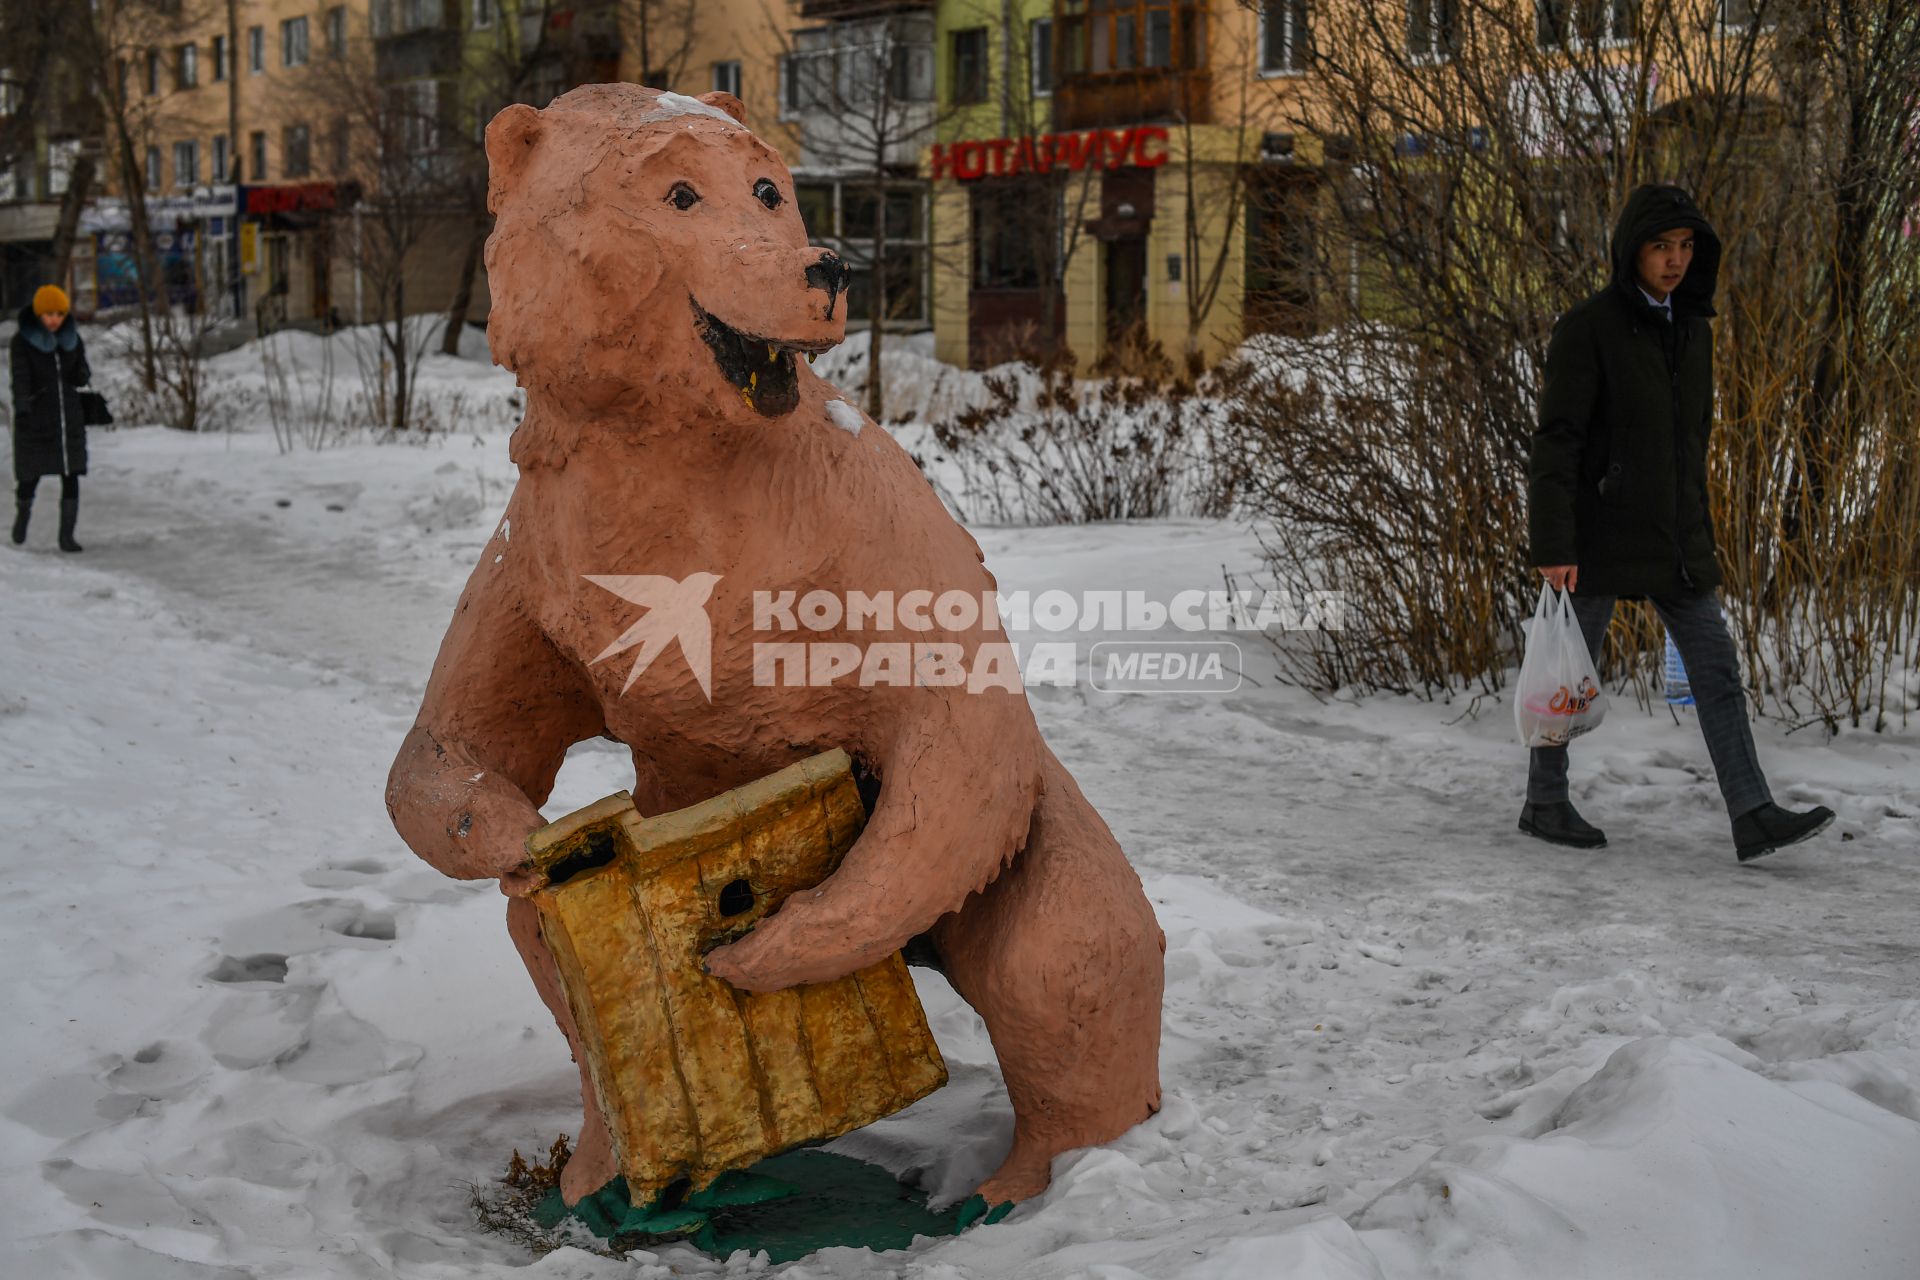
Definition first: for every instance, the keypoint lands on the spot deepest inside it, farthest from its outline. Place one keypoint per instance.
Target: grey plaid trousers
(1713, 669)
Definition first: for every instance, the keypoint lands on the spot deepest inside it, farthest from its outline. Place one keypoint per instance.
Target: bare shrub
(1467, 198)
(1049, 448)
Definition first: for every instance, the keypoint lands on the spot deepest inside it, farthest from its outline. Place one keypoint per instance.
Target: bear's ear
(727, 103)
(511, 136)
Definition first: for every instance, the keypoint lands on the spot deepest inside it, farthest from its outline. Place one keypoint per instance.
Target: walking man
(1617, 499)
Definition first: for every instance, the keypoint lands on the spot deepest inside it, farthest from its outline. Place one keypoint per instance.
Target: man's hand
(1560, 577)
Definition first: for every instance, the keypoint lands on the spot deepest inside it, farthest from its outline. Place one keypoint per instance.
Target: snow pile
(313, 391)
(251, 1035)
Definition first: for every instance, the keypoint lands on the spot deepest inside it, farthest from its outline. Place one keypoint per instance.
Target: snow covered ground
(248, 1034)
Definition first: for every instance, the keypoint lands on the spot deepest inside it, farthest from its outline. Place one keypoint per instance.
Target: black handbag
(94, 411)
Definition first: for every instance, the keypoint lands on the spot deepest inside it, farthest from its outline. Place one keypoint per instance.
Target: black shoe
(1761, 831)
(21, 511)
(1559, 823)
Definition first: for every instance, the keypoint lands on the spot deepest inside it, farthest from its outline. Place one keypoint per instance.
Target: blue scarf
(43, 339)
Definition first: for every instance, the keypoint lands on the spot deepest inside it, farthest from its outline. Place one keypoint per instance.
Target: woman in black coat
(49, 366)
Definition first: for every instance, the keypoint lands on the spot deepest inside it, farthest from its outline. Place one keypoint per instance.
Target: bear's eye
(683, 196)
(767, 193)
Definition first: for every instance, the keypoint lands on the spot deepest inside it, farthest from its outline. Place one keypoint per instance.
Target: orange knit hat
(49, 298)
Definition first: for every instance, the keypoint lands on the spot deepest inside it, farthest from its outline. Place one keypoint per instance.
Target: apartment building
(1108, 171)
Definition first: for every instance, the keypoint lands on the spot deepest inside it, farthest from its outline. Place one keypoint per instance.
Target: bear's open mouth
(762, 369)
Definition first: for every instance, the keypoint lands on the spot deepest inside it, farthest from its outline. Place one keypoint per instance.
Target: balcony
(1130, 97)
(839, 10)
(411, 55)
(1127, 61)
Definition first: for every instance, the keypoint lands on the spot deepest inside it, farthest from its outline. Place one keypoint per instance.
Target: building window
(968, 61)
(1100, 37)
(220, 55)
(482, 14)
(1040, 56)
(418, 15)
(416, 108)
(296, 151)
(256, 49)
(153, 72)
(61, 157)
(1743, 15)
(1433, 29)
(1283, 37)
(220, 158)
(189, 65)
(1572, 24)
(336, 26)
(293, 42)
(726, 78)
(809, 75)
(844, 216)
(257, 144)
(153, 169)
(186, 164)
(342, 146)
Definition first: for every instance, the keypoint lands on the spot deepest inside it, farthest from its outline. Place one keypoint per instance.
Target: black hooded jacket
(48, 369)
(1617, 477)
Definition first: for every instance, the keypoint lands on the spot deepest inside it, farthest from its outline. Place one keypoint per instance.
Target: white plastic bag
(1559, 695)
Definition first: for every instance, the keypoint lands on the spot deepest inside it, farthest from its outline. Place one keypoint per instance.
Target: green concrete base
(788, 1205)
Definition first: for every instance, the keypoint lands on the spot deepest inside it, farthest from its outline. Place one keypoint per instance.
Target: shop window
(1283, 37)
(1433, 29)
(296, 151)
(904, 269)
(968, 60)
(1040, 56)
(1014, 234)
(1280, 254)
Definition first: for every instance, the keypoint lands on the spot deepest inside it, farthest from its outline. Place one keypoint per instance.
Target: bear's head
(647, 249)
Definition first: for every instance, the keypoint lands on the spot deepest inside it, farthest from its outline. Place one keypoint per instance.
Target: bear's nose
(830, 273)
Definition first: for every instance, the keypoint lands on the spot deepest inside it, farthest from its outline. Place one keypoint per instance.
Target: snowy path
(262, 1040)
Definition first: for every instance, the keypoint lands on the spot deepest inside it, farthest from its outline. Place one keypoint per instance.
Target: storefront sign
(1143, 146)
(249, 247)
(291, 199)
